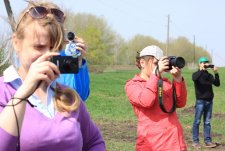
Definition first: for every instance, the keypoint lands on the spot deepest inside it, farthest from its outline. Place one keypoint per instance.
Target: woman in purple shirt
(37, 113)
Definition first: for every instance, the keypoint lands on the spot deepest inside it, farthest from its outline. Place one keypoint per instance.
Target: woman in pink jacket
(154, 100)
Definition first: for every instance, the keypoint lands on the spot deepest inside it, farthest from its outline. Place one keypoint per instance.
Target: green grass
(107, 98)
(112, 112)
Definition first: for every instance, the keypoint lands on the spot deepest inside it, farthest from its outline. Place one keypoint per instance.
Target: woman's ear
(16, 43)
(142, 63)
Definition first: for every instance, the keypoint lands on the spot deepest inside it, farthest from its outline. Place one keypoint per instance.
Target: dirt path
(126, 131)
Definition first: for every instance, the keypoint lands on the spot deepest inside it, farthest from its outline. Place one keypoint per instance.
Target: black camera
(176, 62)
(209, 66)
(66, 64)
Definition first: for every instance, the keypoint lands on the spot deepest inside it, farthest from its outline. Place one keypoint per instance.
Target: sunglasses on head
(39, 12)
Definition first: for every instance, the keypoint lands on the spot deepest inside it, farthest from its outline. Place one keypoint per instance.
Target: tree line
(107, 47)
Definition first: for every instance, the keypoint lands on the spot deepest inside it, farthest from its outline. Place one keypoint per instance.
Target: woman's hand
(163, 64)
(41, 70)
(81, 47)
(176, 72)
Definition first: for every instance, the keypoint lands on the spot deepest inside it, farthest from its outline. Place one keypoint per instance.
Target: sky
(202, 20)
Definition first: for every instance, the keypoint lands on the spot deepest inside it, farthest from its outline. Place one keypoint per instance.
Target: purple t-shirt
(40, 133)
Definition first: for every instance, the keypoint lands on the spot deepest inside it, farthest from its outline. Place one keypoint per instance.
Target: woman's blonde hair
(65, 99)
(56, 29)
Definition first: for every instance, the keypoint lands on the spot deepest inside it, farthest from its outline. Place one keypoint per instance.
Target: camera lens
(70, 36)
(180, 62)
(176, 62)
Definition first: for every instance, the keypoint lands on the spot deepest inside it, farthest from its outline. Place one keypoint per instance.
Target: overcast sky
(202, 19)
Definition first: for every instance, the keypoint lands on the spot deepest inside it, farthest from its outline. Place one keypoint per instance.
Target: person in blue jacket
(79, 81)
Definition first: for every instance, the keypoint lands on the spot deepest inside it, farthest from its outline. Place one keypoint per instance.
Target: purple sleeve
(92, 139)
(7, 141)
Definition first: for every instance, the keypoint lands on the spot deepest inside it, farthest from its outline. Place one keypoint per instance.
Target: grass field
(112, 112)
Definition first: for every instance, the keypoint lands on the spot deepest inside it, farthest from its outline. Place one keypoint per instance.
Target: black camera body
(66, 64)
(176, 62)
(209, 66)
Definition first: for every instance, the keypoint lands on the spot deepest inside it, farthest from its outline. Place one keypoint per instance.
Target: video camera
(176, 62)
(209, 66)
(71, 49)
(68, 63)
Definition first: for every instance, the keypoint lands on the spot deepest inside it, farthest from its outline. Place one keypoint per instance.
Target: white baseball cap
(152, 51)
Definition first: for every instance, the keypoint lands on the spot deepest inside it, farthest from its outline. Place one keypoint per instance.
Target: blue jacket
(79, 82)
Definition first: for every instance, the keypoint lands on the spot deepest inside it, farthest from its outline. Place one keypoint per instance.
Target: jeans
(202, 108)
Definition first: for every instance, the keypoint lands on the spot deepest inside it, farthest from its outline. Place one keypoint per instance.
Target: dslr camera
(176, 62)
(209, 66)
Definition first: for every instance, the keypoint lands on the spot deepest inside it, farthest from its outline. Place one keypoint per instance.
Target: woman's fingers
(47, 56)
(80, 45)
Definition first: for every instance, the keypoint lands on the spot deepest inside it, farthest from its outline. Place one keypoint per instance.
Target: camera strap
(160, 97)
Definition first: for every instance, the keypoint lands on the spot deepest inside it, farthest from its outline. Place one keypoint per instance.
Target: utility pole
(212, 56)
(194, 50)
(168, 35)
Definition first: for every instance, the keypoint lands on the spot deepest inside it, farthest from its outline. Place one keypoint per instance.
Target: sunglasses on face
(204, 62)
(39, 12)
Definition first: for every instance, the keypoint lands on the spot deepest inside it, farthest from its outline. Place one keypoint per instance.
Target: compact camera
(176, 62)
(66, 64)
(209, 66)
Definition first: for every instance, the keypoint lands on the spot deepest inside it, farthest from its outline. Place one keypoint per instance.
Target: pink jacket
(157, 131)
